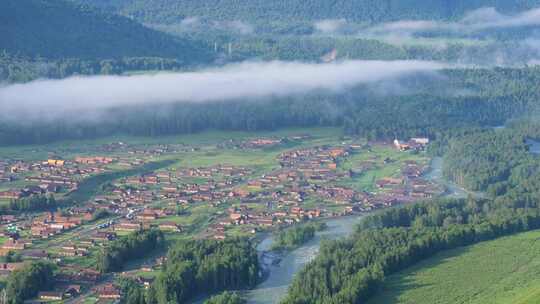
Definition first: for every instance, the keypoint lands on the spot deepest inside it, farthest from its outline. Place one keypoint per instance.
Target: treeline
(290, 238)
(23, 69)
(198, 267)
(132, 291)
(496, 161)
(135, 245)
(483, 160)
(25, 283)
(267, 47)
(374, 117)
(226, 297)
(186, 118)
(352, 270)
(309, 46)
(30, 203)
(429, 107)
(465, 99)
(205, 267)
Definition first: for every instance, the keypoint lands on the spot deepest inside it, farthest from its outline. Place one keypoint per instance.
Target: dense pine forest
(226, 298)
(70, 31)
(18, 69)
(204, 266)
(461, 98)
(288, 239)
(77, 39)
(28, 281)
(497, 161)
(168, 11)
(133, 246)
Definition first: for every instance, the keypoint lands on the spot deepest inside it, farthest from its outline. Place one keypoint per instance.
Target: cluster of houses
(5, 171)
(70, 281)
(55, 174)
(415, 143)
(130, 198)
(309, 183)
(51, 175)
(214, 172)
(143, 150)
(303, 174)
(313, 174)
(61, 293)
(262, 142)
(50, 224)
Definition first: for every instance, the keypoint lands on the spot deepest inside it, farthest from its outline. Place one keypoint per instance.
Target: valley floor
(506, 270)
(213, 185)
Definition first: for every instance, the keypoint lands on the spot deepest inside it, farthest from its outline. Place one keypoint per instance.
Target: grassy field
(506, 270)
(69, 149)
(377, 155)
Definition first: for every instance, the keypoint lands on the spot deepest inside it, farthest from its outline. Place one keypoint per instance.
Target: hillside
(500, 271)
(59, 29)
(172, 11)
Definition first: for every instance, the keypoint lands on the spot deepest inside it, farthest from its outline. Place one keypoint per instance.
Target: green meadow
(502, 271)
(69, 149)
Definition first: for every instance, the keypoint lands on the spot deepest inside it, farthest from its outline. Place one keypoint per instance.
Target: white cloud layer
(330, 26)
(477, 20)
(238, 81)
(236, 26)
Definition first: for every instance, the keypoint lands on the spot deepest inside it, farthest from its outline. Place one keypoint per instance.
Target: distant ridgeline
(24, 65)
(464, 99)
(59, 29)
(41, 34)
(169, 11)
(308, 30)
(116, 36)
(87, 37)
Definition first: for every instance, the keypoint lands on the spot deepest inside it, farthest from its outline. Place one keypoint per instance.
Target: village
(238, 187)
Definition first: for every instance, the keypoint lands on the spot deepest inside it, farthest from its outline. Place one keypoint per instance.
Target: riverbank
(280, 275)
(452, 189)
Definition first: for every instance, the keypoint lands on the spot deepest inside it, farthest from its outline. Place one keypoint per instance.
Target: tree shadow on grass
(91, 186)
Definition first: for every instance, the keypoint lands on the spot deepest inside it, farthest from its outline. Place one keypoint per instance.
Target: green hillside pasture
(502, 271)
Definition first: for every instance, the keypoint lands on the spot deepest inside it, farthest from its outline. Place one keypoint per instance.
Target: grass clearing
(506, 270)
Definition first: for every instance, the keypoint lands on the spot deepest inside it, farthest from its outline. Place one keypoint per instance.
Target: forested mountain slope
(170, 11)
(60, 29)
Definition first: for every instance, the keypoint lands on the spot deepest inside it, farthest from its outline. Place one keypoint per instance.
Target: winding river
(274, 288)
(435, 175)
(534, 146)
